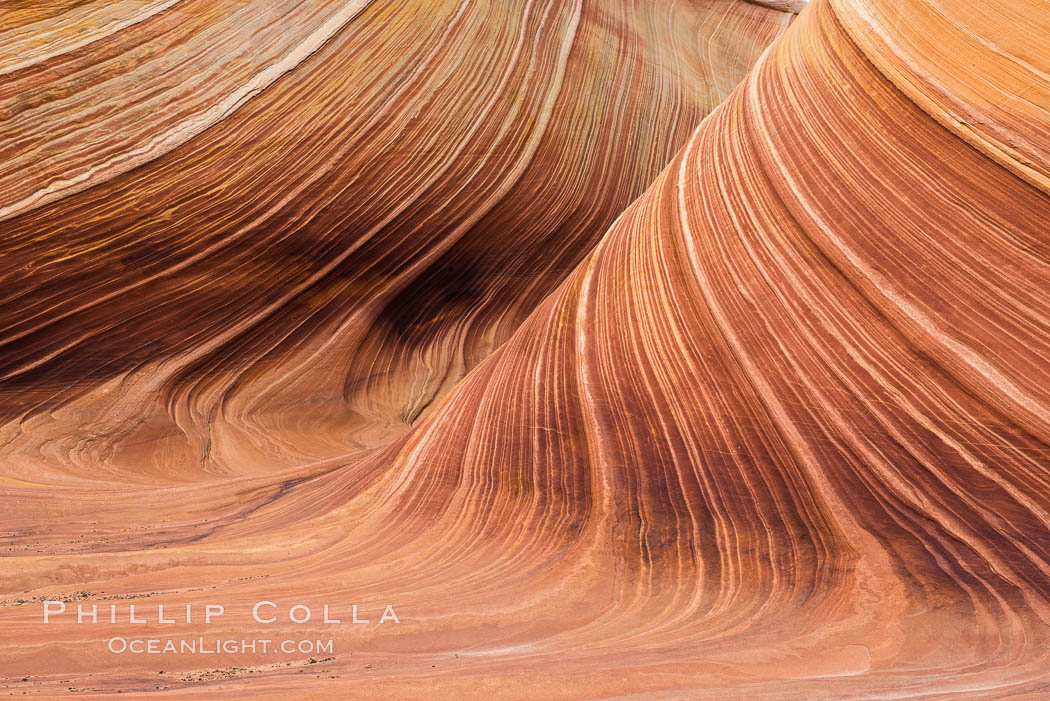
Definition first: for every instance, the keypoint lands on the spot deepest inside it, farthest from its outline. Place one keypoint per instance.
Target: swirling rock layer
(384, 329)
(335, 206)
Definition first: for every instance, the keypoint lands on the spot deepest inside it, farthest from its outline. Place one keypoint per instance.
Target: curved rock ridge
(239, 240)
(782, 433)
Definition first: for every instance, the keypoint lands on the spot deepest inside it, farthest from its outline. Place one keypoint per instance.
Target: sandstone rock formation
(349, 304)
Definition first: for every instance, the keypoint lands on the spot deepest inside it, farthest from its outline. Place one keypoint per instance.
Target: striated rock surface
(388, 332)
(240, 239)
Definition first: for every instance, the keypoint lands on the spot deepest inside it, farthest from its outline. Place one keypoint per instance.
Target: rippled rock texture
(459, 307)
